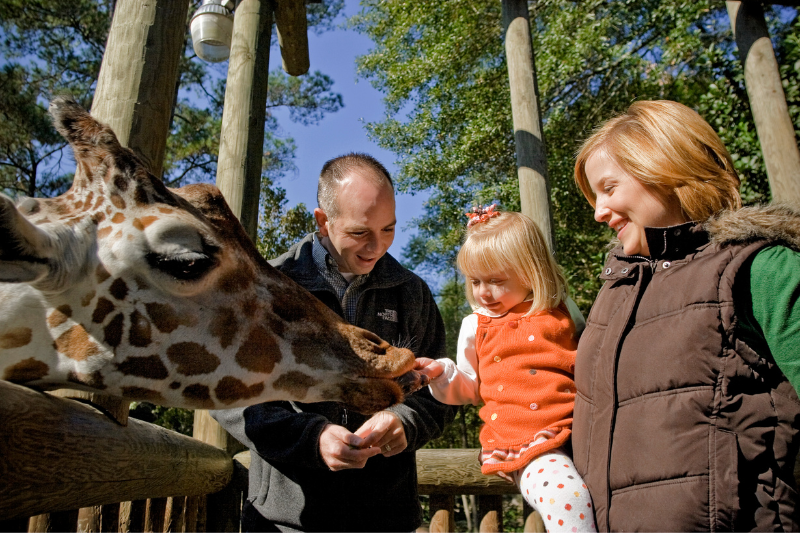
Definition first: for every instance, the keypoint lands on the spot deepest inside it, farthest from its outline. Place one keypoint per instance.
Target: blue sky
(334, 53)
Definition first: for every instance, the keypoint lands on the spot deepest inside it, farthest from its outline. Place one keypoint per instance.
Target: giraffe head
(126, 287)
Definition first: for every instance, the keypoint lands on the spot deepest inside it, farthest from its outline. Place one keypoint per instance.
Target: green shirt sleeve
(772, 322)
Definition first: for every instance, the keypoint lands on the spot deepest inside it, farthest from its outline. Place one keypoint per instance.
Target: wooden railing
(59, 455)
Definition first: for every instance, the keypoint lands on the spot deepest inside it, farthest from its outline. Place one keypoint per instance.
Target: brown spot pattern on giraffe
(94, 380)
(295, 383)
(250, 307)
(16, 338)
(141, 393)
(87, 298)
(288, 309)
(76, 343)
(113, 331)
(117, 200)
(118, 289)
(142, 223)
(259, 352)
(118, 218)
(121, 181)
(166, 319)
(224, 326)
(59, 315)
(97, 218)
(103, 308)
(150, 367)
(192, 358)
(199, 395)
(309, 351)
(139, 334)
(102, 233)
(230, 389)
(101, 274)
(234, 281)
(26, 370)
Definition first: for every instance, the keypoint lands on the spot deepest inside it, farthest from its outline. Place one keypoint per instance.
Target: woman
(687, 415)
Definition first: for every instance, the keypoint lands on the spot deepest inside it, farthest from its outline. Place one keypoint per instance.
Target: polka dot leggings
(551, 485)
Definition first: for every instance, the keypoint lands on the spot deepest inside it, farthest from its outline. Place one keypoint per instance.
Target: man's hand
(384, 432)
(341, 449)
(430, 367)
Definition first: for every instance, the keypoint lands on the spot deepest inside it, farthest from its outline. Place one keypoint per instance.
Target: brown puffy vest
(678, 424)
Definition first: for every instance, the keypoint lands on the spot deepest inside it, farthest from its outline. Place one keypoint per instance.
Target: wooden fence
(59, 455)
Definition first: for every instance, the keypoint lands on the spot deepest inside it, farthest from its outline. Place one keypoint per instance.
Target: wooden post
(136, 88)
(239, 178)
(490, 509)
(442, 513)
(135, 94)
(174, 515)
(767, 100)
(290, 21)
(154, 515)
(242, 144)
(534, 187)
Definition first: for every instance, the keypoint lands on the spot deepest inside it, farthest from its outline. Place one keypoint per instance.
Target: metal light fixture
(212, 27)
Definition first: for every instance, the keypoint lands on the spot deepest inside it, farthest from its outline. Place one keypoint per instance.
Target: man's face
(364, 228)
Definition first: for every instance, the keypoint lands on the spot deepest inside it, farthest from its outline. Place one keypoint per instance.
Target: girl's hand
(430, 367)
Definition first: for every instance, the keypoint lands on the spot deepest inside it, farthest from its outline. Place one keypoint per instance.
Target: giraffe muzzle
(412, 381)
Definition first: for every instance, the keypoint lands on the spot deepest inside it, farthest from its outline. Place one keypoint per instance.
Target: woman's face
(626, 205)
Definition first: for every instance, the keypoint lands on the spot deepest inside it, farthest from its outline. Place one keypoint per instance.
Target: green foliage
(442, 69)
(39, 59)
(180, 420)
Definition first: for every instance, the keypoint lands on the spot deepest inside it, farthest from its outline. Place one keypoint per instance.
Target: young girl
(516, 354)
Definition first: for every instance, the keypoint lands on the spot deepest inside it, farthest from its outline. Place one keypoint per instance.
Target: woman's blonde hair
(670, 147)
(512, 243)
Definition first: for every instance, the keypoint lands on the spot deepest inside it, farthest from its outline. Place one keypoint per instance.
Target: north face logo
(390, 315)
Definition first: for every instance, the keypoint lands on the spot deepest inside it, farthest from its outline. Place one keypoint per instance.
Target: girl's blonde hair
(671, 148)
(512, 243)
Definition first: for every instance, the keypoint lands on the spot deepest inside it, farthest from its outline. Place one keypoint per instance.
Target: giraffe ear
(24, 248)
(91, 141)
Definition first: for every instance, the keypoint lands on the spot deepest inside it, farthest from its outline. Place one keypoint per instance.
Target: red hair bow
(481, 214)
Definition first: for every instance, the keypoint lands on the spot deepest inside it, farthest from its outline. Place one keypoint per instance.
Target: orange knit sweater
(526, 366)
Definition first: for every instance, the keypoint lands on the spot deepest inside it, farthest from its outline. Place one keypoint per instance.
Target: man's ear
(322, 221)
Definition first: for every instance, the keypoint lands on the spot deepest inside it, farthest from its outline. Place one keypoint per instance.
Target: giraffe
(126, 287)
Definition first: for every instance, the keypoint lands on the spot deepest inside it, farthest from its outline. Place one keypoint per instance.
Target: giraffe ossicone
(124, 286)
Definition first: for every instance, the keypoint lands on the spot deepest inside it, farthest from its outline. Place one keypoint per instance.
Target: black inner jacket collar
(666, 244)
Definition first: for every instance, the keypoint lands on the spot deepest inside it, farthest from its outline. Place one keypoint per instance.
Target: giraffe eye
(184, 267)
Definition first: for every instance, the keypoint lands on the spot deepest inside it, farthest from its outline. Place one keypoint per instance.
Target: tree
(442, 69)
(39, 61)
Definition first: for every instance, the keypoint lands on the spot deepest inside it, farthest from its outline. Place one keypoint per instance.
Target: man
(323, 467)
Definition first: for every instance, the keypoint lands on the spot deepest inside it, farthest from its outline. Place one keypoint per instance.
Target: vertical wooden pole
(767, 100)
(534, 187)
(136, 88)
(490, 509)
(442, 513)
(135, 94)
(242, 144)
(239, 178)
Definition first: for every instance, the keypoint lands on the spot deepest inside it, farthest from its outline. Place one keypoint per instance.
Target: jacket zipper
(344, 416)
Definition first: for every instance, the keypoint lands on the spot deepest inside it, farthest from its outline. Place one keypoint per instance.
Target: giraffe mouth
(412, 381)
